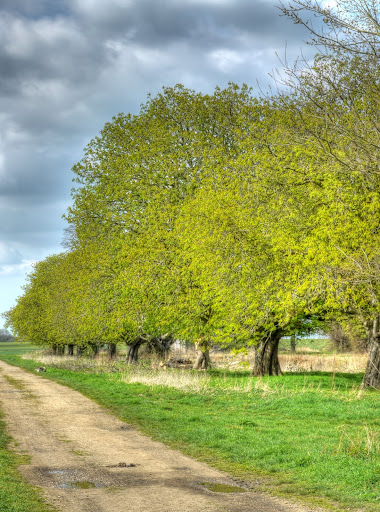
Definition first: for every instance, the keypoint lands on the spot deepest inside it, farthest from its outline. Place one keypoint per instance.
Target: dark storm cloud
(46, 49)
(68, 66)
(76, 44)
(34, 8)
(150, 22)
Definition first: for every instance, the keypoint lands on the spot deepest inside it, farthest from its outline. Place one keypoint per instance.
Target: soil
(86, 460)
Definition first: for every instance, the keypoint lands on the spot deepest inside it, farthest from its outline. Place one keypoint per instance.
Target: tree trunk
(61, 350)
(111, 350)
(70, 350)
(54, 349)
(203, 361)
(372, 372)
(133, 350)
(161, 345)
(266, 355)
(293, 343)
(80, 351)
(95, 349)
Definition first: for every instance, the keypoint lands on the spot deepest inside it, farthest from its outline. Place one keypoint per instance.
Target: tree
(5, 336)
(34, 316)
(337, 99)
(349, 26)
(239, 276)
(134, 180)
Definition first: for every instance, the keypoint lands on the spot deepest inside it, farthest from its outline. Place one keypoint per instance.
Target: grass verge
(315, 434)
(15, 494)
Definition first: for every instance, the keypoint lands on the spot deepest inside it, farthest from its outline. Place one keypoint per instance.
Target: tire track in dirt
(86, 460)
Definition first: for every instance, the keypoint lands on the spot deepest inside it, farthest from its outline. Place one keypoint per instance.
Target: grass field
(314, 435)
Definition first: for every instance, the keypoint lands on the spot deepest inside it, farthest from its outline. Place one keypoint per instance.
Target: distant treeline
(5, 336)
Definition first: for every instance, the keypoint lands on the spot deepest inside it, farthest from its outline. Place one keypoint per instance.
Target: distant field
(307, 345)
(315, 435)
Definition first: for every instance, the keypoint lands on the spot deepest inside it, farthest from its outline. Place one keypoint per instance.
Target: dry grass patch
(336, 363)
(98, 364)
(192, 382)
(365, 443)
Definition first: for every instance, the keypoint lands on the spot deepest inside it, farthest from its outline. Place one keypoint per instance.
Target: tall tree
(338, 103)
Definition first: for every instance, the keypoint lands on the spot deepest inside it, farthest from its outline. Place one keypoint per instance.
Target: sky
(68, 66)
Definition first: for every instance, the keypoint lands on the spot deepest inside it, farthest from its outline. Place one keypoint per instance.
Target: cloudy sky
(68, 66)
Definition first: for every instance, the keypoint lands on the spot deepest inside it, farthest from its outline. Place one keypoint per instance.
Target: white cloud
(226, 60)
(7, 253)
(17, 269)
(53, 89)
(21, 37)
(329, 4)
(88, 6)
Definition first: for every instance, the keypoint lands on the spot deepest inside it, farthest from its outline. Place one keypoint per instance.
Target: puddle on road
(58, 471)
(222, 487)
(70, 478)
(82, 484)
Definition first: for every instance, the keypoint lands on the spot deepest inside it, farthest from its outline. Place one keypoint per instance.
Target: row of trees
(227, 219)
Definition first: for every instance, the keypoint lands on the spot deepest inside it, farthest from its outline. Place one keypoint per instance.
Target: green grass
(15, 494)
(313, 434)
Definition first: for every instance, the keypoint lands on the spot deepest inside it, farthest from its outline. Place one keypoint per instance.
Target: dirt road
(86, 460)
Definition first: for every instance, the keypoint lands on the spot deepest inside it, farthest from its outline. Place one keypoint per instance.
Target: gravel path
(85, 459)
